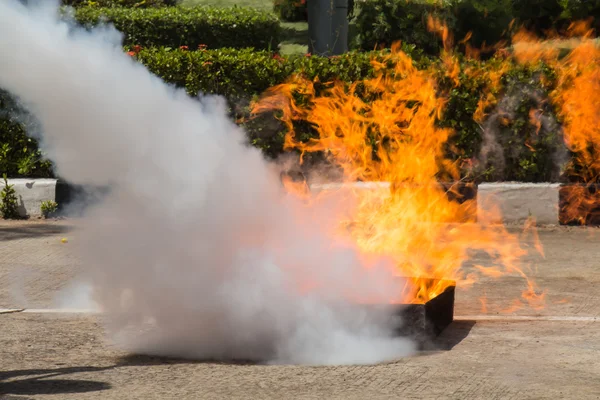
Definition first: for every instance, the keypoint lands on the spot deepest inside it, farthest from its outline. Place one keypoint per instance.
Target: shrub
(19, 154)
(291, 10)
(191, 27)
(120, 3)
(382, 22)
(9, 203)
(521, 139)
(526, 153)
(244, 73)
(232, 73)
(48, 208)
(541, 16)
(240, 75)
(486, 21)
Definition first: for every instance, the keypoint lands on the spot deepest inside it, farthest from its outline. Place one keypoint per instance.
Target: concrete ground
(553, 353)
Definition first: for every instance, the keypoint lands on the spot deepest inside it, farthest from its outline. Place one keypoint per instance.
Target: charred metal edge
(424, 322)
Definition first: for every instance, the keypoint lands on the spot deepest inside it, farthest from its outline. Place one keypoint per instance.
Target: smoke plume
(502, 149)
(196, 251)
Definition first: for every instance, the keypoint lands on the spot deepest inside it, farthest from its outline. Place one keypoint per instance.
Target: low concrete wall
(31, 193)
(496, 202)
(323, 187)
(518, 201)
(515, 201)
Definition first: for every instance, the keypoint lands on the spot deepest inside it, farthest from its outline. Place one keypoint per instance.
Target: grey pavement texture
(66, 356)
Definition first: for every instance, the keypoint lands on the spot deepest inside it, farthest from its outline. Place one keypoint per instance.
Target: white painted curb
(321, 187)
(515, 201)
(518, 201)
(31, 193)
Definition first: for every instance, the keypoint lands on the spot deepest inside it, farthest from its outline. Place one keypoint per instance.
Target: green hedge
(242, 74)
(191, 27)
(119, 3)
(540, 16)
(19, 153)
(383, 22)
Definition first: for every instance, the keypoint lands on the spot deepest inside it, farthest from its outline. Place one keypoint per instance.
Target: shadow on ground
(40, 381)
(44, 381)
(30, 382)
(31, 231)
(455, 333)
(141, 360)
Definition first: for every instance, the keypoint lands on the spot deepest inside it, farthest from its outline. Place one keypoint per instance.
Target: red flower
(202, 47)
(277, 57)
(131, 53)
(137, 48)
(307, 55)
(183, 47)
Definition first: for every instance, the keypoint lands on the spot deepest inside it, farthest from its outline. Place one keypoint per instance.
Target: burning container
(426, 321)
(423, 322)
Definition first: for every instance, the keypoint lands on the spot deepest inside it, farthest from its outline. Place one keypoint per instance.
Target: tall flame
(576, 98)
(393, 139)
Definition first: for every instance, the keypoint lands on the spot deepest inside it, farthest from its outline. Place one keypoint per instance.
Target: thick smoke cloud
(196, 251)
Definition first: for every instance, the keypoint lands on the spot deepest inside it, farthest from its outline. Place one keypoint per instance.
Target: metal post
(327, 27)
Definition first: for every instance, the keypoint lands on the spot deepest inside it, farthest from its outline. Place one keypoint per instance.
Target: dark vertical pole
(339, 27)
(327, 27)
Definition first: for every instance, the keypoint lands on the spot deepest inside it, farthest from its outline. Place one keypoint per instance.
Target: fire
(576, 98)
(295, 185)
(394, 140)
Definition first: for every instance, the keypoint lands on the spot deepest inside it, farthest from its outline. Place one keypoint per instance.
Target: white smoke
(197, 251)
(499, 145)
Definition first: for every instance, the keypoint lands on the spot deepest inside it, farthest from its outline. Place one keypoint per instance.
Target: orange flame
(576, 97)
(298, 187)
(394, 138)
(483, 301)
(516, 306)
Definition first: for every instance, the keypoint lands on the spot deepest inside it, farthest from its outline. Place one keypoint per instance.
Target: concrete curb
(31, 193)
(515, 200)
(518, 201)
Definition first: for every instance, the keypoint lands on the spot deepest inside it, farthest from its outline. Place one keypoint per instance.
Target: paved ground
(554, 355)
